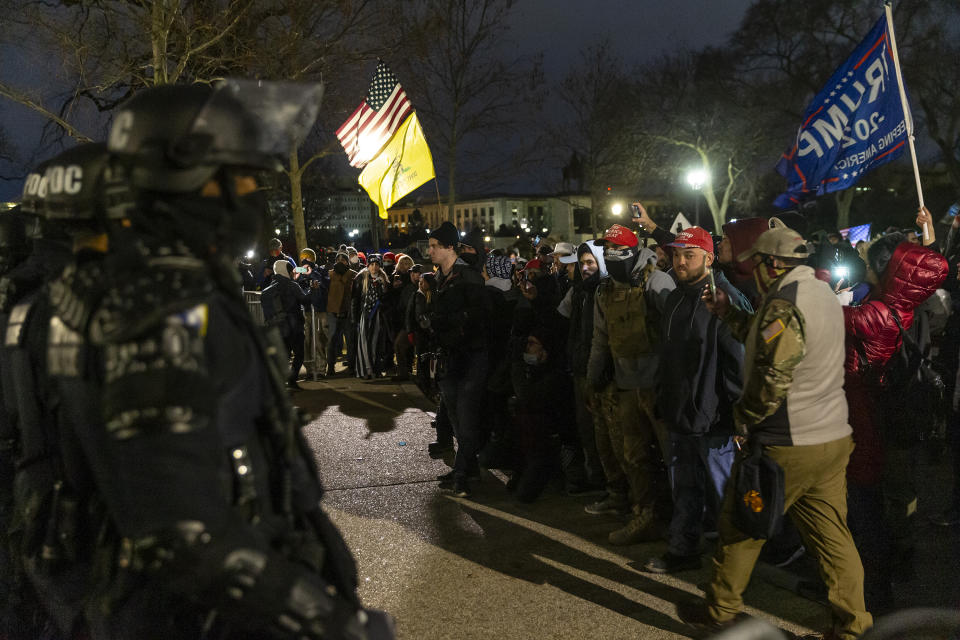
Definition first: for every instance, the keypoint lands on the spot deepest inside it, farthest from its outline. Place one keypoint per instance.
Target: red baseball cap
(533, 264)
(389, 256)
(693, 237)
(618, 234)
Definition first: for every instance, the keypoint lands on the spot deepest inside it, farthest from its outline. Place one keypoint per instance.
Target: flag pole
(907, 116)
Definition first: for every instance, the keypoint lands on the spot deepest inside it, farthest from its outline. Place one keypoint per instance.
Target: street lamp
(616, 209)
(696, 179)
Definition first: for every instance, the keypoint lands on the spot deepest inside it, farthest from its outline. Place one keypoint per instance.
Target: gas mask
(620, 263)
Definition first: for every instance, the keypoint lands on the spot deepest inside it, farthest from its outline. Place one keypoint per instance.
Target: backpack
(911, 392)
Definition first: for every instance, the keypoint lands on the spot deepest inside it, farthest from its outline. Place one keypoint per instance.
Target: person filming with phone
(283, 304)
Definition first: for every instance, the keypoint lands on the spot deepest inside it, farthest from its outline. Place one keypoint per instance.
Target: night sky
(639, 30)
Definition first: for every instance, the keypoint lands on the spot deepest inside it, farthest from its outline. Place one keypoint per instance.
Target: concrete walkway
(490, 567)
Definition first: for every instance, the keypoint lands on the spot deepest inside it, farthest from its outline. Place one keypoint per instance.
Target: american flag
(376, 119)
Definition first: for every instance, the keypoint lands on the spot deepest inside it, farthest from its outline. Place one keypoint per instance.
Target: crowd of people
(635, 371)
(154, 480)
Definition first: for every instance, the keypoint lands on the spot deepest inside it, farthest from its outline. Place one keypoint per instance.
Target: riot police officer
(212, 525)
(21, 294)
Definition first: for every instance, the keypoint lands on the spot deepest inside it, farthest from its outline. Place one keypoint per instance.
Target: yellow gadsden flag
(401, 166)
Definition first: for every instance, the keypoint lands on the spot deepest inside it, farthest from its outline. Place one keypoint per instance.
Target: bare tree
(595, 124)
(109, 49)
(472, 95)
(693, 113)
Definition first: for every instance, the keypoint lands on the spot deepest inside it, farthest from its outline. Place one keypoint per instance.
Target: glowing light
(697, 178)
(486, 238)
(276, 231)
(250, 254)
(544, 229)
(616, 209)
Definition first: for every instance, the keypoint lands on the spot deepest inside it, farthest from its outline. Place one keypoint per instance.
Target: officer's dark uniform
(16, 614)
(25, 389)
(210, 523)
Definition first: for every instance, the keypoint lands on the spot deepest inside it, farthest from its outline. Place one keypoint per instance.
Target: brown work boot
(643, 527)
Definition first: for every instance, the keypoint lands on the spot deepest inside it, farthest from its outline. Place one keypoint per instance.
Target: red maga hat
(618, 234)
(693, 237)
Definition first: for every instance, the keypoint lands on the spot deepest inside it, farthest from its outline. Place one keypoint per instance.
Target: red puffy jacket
(913, 275)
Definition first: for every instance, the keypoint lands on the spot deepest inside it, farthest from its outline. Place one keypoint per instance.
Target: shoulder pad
(140, 301)
(74, 295)
(16, 323)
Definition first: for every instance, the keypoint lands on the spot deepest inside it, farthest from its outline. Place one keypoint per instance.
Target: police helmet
(84, 185)
(176, 137)
(34, 191)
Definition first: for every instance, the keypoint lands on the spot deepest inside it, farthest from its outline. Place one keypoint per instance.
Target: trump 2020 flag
(403, 165)
(856, 123)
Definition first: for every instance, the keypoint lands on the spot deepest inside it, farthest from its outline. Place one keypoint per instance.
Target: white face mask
(531, 358)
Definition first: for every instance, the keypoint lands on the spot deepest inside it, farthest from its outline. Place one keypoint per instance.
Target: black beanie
(475, 239)
(881, 251)
(446, 234)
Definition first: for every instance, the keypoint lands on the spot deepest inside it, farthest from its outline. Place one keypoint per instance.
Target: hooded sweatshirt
(581, 310)
(636, 370)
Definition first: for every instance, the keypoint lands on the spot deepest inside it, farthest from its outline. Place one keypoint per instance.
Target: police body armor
(631, 325)
(210, 485)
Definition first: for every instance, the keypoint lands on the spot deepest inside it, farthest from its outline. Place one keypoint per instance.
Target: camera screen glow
(841, 272)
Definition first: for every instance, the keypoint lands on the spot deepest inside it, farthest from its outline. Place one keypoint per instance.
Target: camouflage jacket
(793, 364)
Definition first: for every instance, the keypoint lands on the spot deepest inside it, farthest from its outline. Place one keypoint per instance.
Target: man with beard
(626, 335)
(697, 385)
(793, 407)
(589, 261)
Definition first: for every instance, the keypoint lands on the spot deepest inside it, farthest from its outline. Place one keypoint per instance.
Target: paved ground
(490, 567)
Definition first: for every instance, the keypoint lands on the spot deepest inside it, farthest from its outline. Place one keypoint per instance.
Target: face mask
(531, 358)
(620, 263)
(340, 268)
(354, 261)
(470, 258)
(765, 275)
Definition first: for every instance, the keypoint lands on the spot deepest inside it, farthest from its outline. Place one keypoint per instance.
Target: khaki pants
(815, 492)
(630, 440)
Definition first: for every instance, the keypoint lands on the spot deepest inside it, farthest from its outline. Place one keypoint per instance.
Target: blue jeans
(462, 387)
(692, 461)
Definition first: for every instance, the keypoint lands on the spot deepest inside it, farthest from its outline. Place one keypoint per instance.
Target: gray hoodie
(639, 372)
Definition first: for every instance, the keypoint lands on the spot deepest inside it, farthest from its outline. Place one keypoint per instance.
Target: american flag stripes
(377, 118)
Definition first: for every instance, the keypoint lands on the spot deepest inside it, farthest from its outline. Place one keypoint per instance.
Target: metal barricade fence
(252, 298)
(312, 334)
(312, 348)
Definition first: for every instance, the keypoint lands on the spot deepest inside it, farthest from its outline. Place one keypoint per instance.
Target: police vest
(629, 325)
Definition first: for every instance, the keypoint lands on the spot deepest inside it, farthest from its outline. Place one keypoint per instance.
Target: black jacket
(701, 365)
(458, 310)
(581, 324)
(283, 304)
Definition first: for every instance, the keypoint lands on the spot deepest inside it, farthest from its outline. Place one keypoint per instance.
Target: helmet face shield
(175, 138)
(279, 115)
